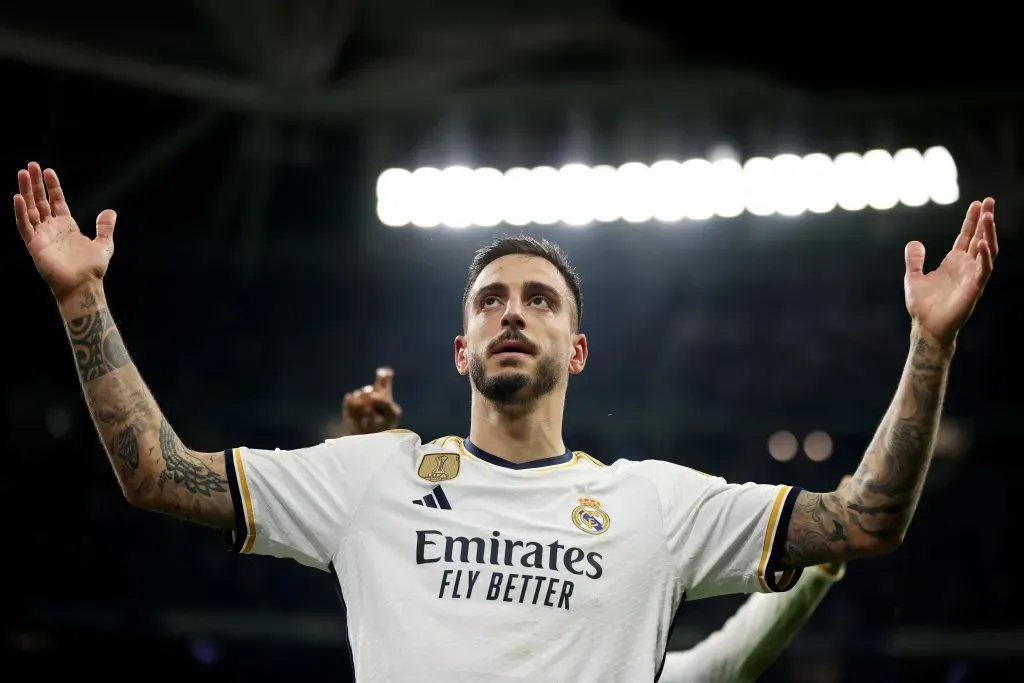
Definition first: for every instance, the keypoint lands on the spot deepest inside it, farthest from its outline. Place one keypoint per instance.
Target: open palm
(63, 255)
(941, 301)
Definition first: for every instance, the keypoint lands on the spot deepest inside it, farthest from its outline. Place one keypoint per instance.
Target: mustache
(511, 335)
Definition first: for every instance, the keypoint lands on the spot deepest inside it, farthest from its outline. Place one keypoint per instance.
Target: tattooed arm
(156, 471)
(869, 514)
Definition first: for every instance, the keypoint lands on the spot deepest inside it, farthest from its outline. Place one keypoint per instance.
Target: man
(737, 653)
(505, 555)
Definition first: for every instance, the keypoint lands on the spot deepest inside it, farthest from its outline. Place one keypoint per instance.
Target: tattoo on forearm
(876, 506)
(121, 422)
(97, 345)
(183, 469)
(887, 486)
(154, 468)
(816, 528)
(126, 447)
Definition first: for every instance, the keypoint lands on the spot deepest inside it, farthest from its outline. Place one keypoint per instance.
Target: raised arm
(155, 469)
(870, 514)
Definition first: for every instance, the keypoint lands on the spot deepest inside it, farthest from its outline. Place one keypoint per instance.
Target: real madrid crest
(589, 517)
(437, 467)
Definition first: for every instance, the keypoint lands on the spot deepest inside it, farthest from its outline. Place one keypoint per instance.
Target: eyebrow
(546, 290)
(493, 289)
(499, 288)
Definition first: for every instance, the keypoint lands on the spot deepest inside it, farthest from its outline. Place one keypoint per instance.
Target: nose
(513, 316)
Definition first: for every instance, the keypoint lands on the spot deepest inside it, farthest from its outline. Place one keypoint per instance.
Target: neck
(519, 435)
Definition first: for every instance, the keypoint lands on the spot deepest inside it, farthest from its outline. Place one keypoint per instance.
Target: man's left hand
(941, 301)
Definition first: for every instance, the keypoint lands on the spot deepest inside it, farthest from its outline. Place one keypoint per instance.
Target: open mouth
(513, 347)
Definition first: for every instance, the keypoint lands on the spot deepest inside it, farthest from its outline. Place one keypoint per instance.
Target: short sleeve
(297, 504)
(724, 538)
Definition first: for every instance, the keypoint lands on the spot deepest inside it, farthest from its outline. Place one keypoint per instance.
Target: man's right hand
(65, 257)
(371, 409)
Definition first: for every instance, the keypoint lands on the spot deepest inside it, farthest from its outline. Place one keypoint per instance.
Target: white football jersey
(458, 566)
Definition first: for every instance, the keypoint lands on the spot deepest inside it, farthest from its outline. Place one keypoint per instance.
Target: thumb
(385, 376)
(914, 256)
(105, 225)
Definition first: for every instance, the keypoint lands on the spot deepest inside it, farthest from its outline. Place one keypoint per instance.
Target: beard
(515, 388)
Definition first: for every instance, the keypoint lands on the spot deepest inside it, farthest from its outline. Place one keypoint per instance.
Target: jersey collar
(501, 462)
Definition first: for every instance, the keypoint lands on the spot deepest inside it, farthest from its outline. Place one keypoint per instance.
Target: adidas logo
(434, 499)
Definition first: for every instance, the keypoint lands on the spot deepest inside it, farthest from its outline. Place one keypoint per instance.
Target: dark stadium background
(240, 143)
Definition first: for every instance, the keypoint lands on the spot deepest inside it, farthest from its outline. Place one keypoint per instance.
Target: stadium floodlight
(667, 191)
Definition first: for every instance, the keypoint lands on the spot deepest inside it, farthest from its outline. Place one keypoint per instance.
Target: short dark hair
(524, 245)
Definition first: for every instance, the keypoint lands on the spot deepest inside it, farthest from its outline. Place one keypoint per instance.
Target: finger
(985, 264)
(968, 228)
(363, 423)
(988, 205)
(105, 225)
(370, 423)
(386, 408)
(984, 225)
(57, 202)
(39, 191)
(385, 422)
(992, 237)
(25, 189)
(913, 254)
(361, 402)
(382, 383)
(21, 218)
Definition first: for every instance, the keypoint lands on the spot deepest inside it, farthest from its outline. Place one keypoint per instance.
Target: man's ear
(578, 354)
(461, 355)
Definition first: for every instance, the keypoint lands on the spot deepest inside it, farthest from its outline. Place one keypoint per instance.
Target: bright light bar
(667, 191)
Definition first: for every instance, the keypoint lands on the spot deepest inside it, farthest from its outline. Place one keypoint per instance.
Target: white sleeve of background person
(752, 638)
(723, 538)
(297, 504)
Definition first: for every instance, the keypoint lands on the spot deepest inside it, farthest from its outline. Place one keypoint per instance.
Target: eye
(489, 302)
(540, 301)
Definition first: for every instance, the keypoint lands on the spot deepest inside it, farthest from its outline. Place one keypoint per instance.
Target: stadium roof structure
(341, 60)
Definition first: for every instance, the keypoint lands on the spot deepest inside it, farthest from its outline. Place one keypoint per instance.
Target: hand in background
(373, 408)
